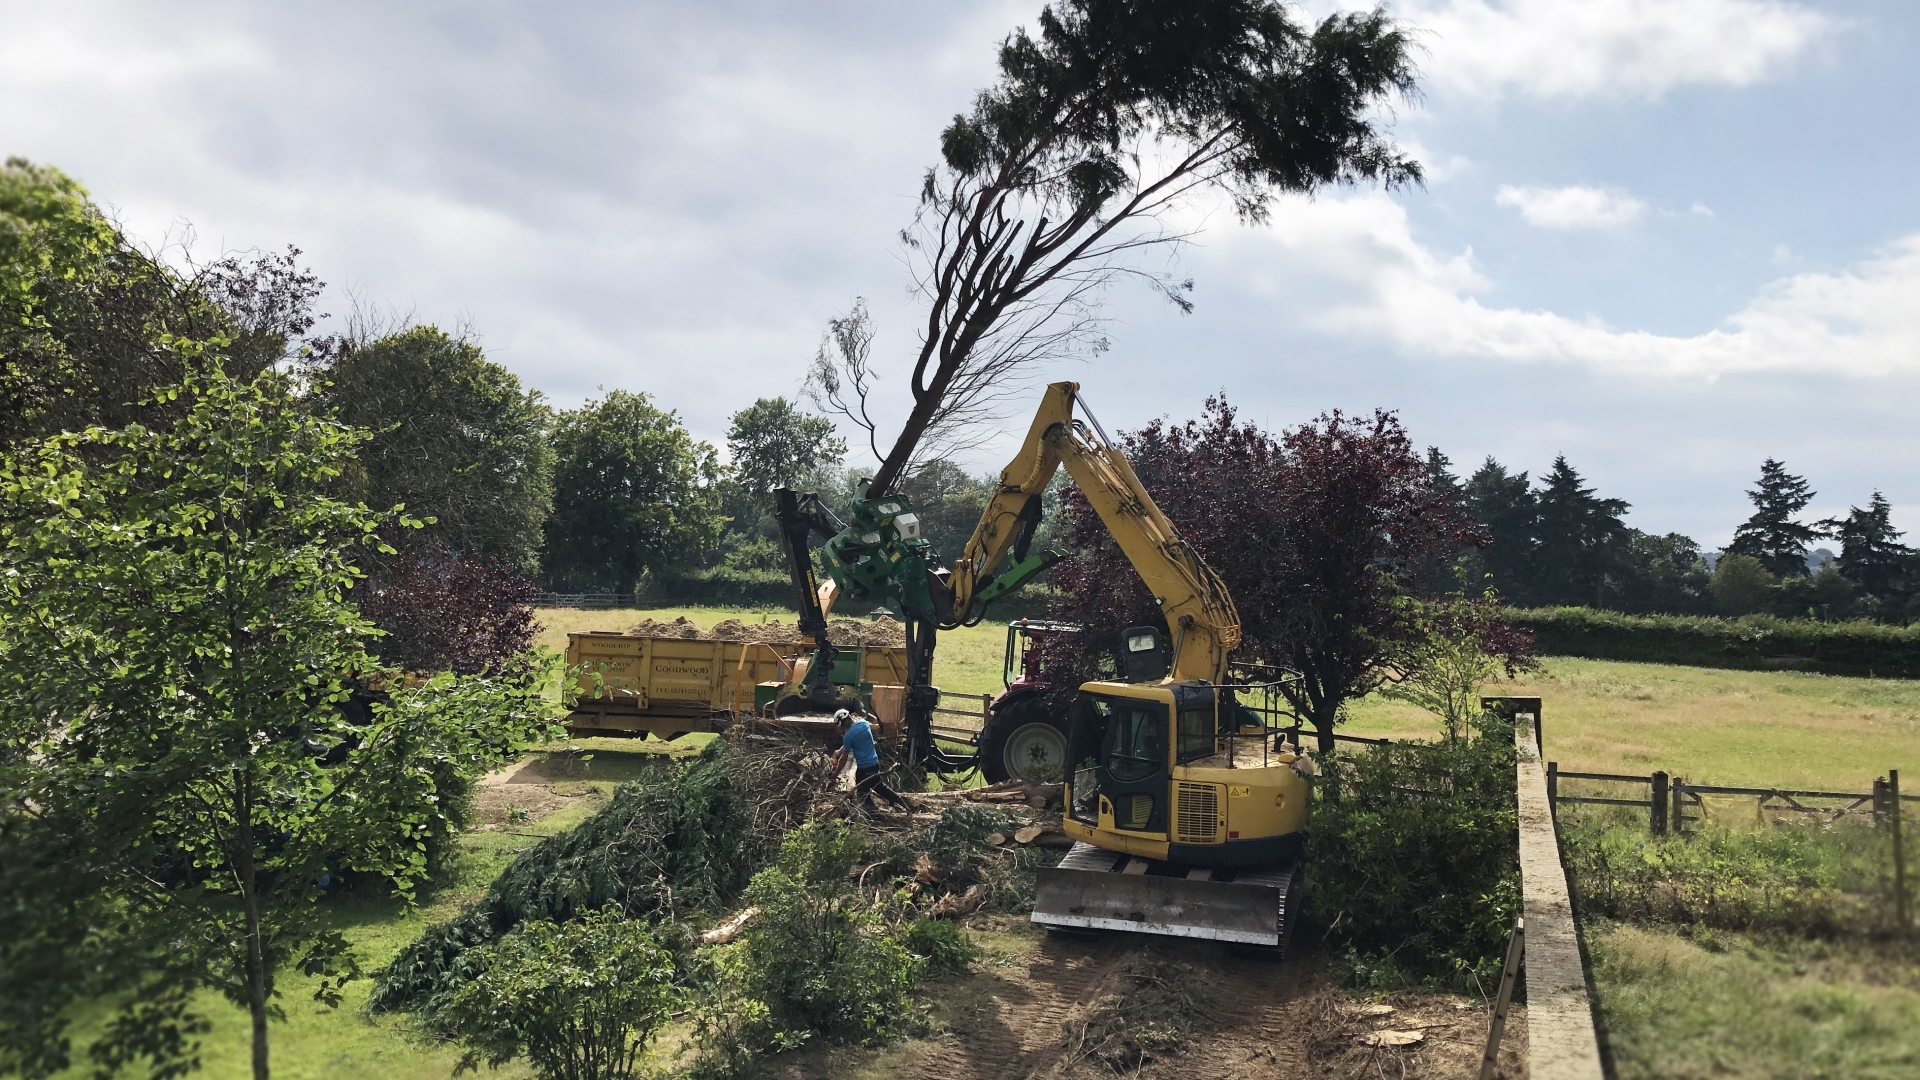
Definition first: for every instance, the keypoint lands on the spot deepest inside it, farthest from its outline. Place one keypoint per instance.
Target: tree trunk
(895, 465)
(256, 953)
(1323, 733)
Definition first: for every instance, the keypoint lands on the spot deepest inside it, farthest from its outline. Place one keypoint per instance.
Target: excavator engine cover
(1097, 889)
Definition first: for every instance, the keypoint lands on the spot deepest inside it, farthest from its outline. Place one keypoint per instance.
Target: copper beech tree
(1114, 114)
(1322, 534)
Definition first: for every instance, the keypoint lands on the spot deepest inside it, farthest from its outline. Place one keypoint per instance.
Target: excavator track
(1097, 889)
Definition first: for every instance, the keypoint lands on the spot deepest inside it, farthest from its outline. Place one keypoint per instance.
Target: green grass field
(1739, 728)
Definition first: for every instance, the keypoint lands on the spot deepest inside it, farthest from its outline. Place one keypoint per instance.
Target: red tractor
(1021, 739)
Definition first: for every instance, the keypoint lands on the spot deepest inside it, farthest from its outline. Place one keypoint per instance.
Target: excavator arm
(1198, 610)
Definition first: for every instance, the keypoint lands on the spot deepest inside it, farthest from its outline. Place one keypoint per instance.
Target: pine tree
(1870, 555)
(1503, 503)
(1580, 536)
(1772, 535)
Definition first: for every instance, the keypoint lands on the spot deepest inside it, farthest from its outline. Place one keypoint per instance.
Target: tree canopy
(85, 314)
(1321, 534)
(453, 437)
(633, 492)
(1112, 114)
(182, 777)
(1772, 535)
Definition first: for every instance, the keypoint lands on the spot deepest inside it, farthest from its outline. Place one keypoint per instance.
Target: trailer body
(630, 684)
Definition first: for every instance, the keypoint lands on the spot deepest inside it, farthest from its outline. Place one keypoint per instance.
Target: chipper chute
(1097, 889)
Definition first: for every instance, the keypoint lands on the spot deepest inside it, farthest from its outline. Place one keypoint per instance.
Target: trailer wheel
(1024, 743)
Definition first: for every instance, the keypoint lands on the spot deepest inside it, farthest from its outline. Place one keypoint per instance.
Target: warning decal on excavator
(1236, 791)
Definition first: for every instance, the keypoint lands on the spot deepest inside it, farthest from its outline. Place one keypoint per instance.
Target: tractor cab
(1024, 666)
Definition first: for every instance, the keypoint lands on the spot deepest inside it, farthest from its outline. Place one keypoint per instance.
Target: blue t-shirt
(859, 743)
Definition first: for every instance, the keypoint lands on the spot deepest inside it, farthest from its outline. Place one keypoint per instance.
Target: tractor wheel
(1023, 743)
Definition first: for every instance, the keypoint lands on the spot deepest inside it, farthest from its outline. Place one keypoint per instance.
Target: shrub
(817, 960)
(941, 945)
(579, 1000)
(953, 845)
(445, 612)
(673, 842)
(1753, 643)
(818, 955)
(1416, 856)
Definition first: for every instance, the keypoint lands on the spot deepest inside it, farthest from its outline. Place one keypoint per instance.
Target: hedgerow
(1753, 642)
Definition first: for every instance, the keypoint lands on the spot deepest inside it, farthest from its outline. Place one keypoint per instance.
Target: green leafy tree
(773, 444)
(633, 493)
(1871, 555)
(86, 316)
(1579, 538)
(579, 1000)
(454, 438)
(1463, 643)
(1772, 535)
(1740, 584)
(949, 502)
(180, 774)
(1662, 573)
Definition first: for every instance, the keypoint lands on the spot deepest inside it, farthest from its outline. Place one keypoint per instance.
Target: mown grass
(1735, 728)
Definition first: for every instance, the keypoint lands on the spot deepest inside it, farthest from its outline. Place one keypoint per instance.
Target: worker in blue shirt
(856, 740)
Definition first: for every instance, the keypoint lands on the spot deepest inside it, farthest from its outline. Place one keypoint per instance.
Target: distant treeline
(1554, 541)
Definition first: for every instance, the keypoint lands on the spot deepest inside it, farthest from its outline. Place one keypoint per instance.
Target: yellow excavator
(1186, 802)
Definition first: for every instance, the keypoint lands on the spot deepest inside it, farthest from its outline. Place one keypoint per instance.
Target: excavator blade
(1097, 889)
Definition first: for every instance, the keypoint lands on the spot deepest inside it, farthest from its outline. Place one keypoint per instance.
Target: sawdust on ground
(884, 630)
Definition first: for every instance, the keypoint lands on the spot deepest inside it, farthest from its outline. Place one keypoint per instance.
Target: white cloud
(1355, 266)
(1609, 48)
(1576, 207)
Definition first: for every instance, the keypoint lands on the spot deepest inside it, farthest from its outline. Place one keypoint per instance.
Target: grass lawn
(1738, 728)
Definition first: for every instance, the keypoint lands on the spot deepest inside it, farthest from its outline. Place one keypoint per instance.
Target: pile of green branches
(678, 840)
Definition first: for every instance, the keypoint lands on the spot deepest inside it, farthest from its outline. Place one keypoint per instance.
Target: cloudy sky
(1667, 238)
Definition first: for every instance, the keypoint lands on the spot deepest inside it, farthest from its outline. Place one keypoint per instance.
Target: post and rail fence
(1672, 802)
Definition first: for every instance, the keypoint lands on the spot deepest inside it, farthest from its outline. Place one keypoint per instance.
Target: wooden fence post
(1657, 818)
(1516, 946)
(1880, 801)
(1677, 819)
(1553, 789)
(1902, 916)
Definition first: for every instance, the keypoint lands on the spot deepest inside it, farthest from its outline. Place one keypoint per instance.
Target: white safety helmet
(843, 717)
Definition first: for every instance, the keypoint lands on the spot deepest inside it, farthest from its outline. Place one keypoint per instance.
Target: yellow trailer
(667, 686)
